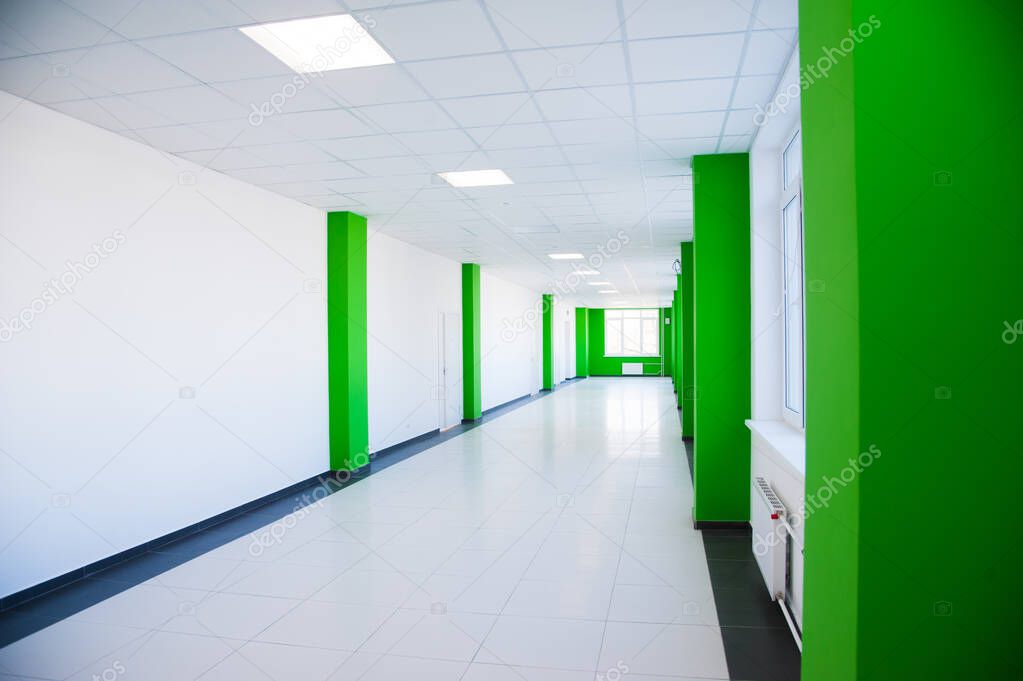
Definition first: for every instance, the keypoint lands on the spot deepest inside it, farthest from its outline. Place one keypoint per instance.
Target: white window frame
(623, 313)
(792, 190)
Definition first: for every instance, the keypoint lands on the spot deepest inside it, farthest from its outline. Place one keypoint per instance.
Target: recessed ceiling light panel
(320, 44)
(476, 178)
(610, 290)
(599, 283)
(565, 256)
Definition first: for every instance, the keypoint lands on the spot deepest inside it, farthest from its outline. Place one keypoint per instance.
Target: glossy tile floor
(552, 543)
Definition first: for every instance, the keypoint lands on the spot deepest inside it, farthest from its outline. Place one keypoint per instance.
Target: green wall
(721, 348)
(547, 310)
(472, 397)
(348, 409)
(582, 342)
(687, 370)
(602, 365)
(913, 221)
(667, 340)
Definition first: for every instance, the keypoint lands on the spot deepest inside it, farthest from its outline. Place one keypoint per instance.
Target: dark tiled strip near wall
(26, 612)
(758, 643)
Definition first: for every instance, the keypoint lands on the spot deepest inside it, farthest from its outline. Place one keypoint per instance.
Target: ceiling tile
(131, 114)
(427, 31)
(683, 96)
(492, 109)
(307, 172)
(407, 117)
(48, 78)
(90, 111)
(436, 141)
(266, 97)
(663, 18)
(370, 85)
(671, 126)
(685, 58)
(740, 122)
(754, 90)
(223, 54)
(189, 104)
(175, 138)
(395, 165)
(144, 18)
(549, 24)
(467, 76)
(370, 146)
(327, 124)
(773, 14)
(291, 153)
(595, 130)
(125, 67)
(594, 102)
(34, 26)
(768, 52)
(513, 136)
(564, 67)
(224, 159)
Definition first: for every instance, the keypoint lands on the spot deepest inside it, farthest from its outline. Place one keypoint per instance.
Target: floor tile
(543, 642)
(665, 649)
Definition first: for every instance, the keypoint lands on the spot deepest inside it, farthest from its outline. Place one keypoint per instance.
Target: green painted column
(582, 342)
(548, 341)
(687, 373)
(721, 346)
(472, 396)
(348, 409)
(676, 334)
(667, 342)
(914, 351)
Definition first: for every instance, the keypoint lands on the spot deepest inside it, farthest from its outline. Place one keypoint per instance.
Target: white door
(450, 369)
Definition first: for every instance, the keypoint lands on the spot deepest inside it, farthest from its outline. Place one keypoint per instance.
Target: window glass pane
(793, 301)
(792, 160)
(650, 339)
(631, 336)
(612, 336)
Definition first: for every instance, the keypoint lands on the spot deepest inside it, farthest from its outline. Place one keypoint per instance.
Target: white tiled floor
(552, 543)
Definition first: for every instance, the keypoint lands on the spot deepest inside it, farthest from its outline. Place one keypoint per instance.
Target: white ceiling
(593, 107)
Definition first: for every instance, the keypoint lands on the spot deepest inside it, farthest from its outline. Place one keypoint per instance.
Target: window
(793, 286)
(632, 333)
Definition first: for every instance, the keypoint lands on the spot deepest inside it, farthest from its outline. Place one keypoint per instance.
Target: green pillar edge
(676, 331)
(667, 342)
(721, 258)
(548, 340)
(914, 357)
(582, 342)
(472, 395)
(348, 405)
(687, 372)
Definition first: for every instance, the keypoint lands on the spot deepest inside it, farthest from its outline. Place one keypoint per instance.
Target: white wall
(564, 360)
(215, 291)
(407, 290)
(511, 331)
(773, 454)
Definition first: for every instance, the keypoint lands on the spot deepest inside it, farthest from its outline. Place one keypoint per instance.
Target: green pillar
(472, 400)
(687, 373)
(721, 257)
(667, 342)
(676, 329)
(913, 353)
(548, 341)
(346, 341)
(582, 342)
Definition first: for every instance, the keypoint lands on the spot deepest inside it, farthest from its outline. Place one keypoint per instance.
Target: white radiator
(767, 516)
(632, 368)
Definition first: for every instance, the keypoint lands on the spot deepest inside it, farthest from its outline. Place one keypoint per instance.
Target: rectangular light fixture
(565, 256)
(610, 290)
(583, 272)
(319, 44)
(599, 283)
(476, 178)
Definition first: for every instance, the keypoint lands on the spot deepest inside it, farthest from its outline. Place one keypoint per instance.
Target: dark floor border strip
(29, 610)
(756, 637)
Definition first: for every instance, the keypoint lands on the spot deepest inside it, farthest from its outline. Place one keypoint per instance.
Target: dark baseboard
(720, 525)
(19, 597)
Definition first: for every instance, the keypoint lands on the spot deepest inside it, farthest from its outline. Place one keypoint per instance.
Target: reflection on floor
(553, 542)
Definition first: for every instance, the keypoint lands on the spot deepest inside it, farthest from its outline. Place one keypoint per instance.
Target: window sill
(785, 445)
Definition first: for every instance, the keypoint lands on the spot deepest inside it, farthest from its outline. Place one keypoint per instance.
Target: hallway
(554, 542)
